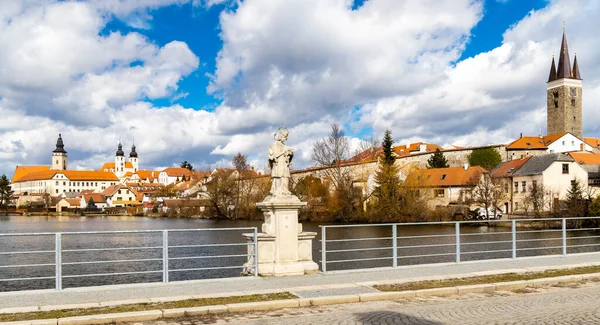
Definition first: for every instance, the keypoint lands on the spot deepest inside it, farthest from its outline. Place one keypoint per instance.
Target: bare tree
(221, 193)
(333, 152)
(536, 198)
(369, 148)
(487, 194)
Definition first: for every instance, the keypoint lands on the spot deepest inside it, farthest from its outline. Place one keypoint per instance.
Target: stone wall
(564, 112)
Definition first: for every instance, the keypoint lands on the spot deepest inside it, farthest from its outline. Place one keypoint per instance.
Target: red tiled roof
(21, 171)
(533, 142)
(72, 175)
(508, 168)
(585, 158)
(443, 177)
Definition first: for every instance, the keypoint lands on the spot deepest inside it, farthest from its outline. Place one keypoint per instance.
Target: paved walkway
(548, 305)
(304, 286)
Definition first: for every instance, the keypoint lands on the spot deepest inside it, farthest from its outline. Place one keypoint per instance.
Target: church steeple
(564, 62)
(552, 75)
(59, 155)
(576, 74)
(60, 146)
(133, 153)
(120, 151)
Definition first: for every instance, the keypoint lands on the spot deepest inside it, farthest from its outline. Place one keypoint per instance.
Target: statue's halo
(280, 132)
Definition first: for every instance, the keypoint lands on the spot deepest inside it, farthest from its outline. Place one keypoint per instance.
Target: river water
(436, 241)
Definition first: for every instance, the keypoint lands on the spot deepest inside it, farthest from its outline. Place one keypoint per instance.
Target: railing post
(323, 249)
(564, 236)
(395, 245)
(58, 260)
(165, 237)
(514, 239)
(255, 252)
(457, 227)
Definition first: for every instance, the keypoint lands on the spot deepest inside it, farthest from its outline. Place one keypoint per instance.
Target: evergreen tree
(437, 160)
(91, 205)
(185, 164)
(5, 192)
(387, 193)
(575, 202)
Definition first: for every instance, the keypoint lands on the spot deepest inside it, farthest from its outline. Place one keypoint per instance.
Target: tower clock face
(573, 92)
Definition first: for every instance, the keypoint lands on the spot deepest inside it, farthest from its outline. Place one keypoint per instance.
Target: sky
(201, 80)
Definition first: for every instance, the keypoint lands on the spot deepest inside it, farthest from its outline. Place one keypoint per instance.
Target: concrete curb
(288, 303)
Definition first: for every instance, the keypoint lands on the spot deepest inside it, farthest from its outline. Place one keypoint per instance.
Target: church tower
(59, 155)
(120, 161)
(133, 158)
(564, 90)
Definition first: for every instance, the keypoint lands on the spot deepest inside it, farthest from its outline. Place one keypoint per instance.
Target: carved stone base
(283, 248)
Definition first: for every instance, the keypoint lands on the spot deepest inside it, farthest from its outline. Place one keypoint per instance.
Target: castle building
(564, 91)
(56, 179)
(120, 167)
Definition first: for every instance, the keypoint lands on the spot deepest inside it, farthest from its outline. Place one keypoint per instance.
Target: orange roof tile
(593, 142)
(443, 177)
(508, 168)
(585, 158)
(111, 165)
(97, 197)
(72, 175)
(21, 171)
(534, 142)
(177, 171)
(402, 150)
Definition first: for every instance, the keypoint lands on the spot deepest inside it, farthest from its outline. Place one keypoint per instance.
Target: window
(534, 184)
(119, 198)
(443, 177)
(563, 143)
(573, 102)
(572, 143)
(119, 191)
(524, 186)
(56, 182)
(439, 193)
(505, 187)
(516, 205)
(565, 168)
(65, 183)
(516, 187)
(56, 191)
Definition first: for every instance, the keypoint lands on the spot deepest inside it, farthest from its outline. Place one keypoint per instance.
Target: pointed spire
(552, 75)
(60, 146)
(120, 150)
(564, 62)
(575, 72)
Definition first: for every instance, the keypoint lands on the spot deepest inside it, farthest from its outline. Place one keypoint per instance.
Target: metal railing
(363, 246)
(140, 256)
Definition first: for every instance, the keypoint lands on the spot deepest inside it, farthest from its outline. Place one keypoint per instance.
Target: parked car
(493, 213)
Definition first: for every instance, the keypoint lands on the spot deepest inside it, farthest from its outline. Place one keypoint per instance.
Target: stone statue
(280, 158)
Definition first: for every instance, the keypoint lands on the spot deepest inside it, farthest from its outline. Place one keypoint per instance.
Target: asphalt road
(572, 304)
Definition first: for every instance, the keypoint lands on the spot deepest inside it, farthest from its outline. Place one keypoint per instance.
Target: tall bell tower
(59, 155)
(564, 90)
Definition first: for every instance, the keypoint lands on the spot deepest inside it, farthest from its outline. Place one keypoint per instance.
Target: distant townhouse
(173, 175)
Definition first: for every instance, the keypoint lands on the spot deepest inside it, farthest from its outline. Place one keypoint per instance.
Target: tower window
(555, 103)
(555, 93)
(573, 102)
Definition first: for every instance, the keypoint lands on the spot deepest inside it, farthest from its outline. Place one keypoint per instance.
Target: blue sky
(200, 80)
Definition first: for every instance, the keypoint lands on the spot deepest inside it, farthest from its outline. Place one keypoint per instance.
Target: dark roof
(60, 146)
(133, 154)
(538, 164)
(576, 74)
(564, 62)
(120, 150)
(552, 75)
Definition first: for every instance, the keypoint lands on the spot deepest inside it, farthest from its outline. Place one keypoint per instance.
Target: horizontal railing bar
(535, 248)
(211, 229)
(539, 239)
(358, 225)
(487, 233)
(537, 231)
(210, 268)
(216, 256)
(208, 245)
(26, 252)
(581, 229)
(424, 236)
(24, 265)
(109, 249)
(361, 259)
(427, 255)
(582, 237)
(492, 251)
(358, 249)
(583, 245)
(422, 246)
(27, 234)
(28, 279)
(113, 261)
(357, 239)
(486, 242)
(103, 274)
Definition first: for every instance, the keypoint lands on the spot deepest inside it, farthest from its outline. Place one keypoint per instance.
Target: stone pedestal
(283, 248)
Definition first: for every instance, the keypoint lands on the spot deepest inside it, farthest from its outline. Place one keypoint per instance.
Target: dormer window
(443, 177)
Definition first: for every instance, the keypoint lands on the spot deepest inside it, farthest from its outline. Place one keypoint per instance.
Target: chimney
(423, 147)
(521, 135)
(466, 166)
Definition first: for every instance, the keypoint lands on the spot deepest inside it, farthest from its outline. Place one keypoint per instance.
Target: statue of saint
(280, 158)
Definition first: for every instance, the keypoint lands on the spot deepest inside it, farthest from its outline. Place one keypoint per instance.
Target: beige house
(120, 195)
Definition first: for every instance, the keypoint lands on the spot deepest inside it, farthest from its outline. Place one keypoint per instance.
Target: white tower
(120, 161)
(133, 158)
(59, 155)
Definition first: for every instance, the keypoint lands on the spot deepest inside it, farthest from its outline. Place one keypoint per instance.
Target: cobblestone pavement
(569, 304)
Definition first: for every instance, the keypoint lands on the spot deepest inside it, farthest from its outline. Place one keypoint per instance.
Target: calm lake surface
(414, 242)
